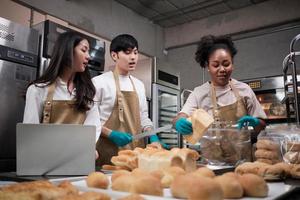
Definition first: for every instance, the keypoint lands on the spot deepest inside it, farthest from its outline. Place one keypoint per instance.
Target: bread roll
(97, 180)
(118, 173)
(230, 185)
(146, 184)
(124, 160)
(132, 197)
(253, 185)
(170, 174)
(249, 167)
(295, 171)
(191, 187)
(267, 154)
(201, 121)
(267, 145)
(204, 172)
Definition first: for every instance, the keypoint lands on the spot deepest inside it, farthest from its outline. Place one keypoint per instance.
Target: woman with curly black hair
(223, 97)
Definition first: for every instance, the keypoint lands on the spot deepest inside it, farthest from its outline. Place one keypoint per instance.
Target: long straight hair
(62, 57)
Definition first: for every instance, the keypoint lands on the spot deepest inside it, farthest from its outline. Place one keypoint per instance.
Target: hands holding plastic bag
(248, 121)
(120, 138)
(183, 126)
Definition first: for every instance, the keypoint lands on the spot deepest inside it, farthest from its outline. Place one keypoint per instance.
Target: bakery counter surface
(277, 190)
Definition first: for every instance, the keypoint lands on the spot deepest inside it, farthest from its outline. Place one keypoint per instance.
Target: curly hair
(208, 44)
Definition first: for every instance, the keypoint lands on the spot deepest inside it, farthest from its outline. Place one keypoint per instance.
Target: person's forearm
(105, 132)
(179, 115)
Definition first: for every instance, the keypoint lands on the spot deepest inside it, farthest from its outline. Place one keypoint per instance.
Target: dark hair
(208, 44)
(123, 42)
(62, 57)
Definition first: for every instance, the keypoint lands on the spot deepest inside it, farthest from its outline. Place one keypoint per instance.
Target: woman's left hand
(248, 121)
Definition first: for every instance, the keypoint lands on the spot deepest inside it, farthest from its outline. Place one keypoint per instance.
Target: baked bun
(170, 174)
(201, 121)
(97, 180)
(253, 185)
(267, 145)
(146, 184)
(118, 173)
(266, 154)
(132, 197)
(295, 171)
(191, 187)
(114, 167)
(249, 167)
(204, 172)
(230, 185)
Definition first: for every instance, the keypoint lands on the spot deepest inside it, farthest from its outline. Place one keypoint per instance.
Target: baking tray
(276, 191)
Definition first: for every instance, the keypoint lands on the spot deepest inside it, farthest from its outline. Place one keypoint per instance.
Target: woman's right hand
(120, 138)
(183, 126)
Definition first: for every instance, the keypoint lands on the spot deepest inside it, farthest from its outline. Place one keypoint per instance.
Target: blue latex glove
(154, 138)
(183, 126)
(248, 121)
(120, 138)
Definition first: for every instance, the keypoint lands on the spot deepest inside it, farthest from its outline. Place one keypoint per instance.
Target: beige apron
(124, 117)
(229, 113)
(226, 147)
(61, 111)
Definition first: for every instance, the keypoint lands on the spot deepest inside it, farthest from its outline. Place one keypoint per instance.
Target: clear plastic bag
(226, 146)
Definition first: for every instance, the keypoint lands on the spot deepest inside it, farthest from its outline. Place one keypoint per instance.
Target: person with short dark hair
(122, 102)
(64, 93)
(223, 97)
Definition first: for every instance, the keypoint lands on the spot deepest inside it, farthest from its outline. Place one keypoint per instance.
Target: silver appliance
(18, 66)
(270, 93)
(166, 104)
(49, 32)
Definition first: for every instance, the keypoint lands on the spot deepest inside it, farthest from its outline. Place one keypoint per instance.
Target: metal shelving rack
(292, 97)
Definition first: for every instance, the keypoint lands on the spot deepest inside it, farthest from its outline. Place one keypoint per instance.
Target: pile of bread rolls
(268, 171)
(151, 159)
(267, 151)
(201, 183)
(45, 190)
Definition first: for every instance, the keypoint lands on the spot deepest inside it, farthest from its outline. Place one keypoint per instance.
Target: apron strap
(236, 93)
(48, 103)
(214, 101)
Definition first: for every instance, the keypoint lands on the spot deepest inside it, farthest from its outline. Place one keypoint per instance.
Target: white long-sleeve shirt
(106, 95)
(36, 96)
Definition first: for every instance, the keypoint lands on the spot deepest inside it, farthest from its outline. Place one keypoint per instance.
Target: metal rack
(291, 86)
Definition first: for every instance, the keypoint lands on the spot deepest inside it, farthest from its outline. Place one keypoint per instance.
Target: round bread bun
(249, 167)
(271, 172)
(192, 187)
(204, 172)
(132, 197)
(230, 185)
(97, 180)
(170, 174)
(295, 171)
(116, 174)
(266, 154)
(267, 161)
(123, 183)
(93, 195)
(267, 145)
(147, 185)
(253, 185)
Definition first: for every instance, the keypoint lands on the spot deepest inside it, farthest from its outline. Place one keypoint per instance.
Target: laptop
(55, 149)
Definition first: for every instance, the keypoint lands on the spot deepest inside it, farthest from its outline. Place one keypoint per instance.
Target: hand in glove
(120, 138)
(183, 126)
(154, 138)
(248, 121)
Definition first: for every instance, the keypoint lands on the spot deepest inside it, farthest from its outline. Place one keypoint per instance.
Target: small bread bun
(268, 161)
(113, 168)
(267, 145)
(204, 172)
(266, 154)
(132, 197)
(295, 171)
(170, 174)
(191, 187)
(97, 180)
(230, 185)
(116, 174)
(271, 172)
(249, 167)
(254, 185)
(93, 195)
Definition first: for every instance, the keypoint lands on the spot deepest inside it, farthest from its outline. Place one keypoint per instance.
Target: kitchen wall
(261, 41)
(260, 54)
